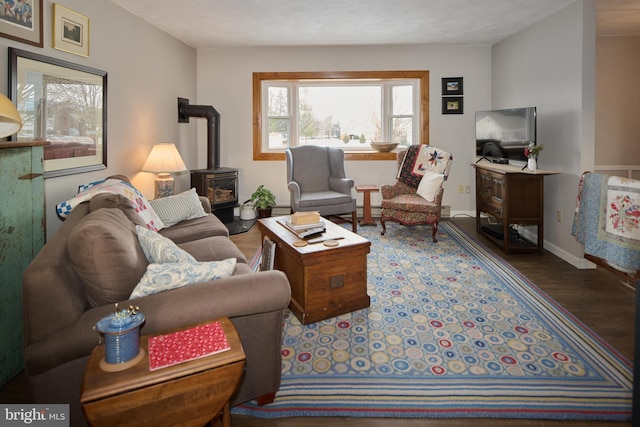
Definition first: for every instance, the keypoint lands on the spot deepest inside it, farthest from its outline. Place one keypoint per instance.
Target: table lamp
(164, 159)
(10, 122)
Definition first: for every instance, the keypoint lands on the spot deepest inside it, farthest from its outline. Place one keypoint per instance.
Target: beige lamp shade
(10, 122)
(164, 158)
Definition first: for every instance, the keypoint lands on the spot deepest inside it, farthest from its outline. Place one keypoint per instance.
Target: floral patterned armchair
(416, 197)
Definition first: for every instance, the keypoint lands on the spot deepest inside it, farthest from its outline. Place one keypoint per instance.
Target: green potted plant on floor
(264, 200)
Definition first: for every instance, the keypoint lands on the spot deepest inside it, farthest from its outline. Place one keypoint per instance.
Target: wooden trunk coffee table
(326, 281)
(188, 394)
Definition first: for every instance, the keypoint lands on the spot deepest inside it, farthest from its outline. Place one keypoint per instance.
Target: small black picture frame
(452, 86)
(453, 105)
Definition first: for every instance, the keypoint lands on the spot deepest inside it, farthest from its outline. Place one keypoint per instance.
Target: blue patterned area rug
(452, 331)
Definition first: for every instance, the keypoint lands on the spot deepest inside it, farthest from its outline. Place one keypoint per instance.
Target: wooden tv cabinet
(511, 196)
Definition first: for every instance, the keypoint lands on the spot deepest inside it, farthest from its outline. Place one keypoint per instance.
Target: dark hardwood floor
(598, 298)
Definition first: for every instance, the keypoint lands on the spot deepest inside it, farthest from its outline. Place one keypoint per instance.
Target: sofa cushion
(181, 207)
(159, 249)
(194, 229)
(213, 249)
(118, 201)
(163, 277)
(105, 254)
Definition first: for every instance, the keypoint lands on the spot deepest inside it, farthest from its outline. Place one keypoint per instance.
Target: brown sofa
(60, 310)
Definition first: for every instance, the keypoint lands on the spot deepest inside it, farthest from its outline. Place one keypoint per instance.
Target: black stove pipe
(213, 127)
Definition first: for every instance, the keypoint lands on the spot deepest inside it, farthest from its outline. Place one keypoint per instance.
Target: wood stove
(220, 186)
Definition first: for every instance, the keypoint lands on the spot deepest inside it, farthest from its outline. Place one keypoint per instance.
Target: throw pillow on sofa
(159, 249)
(172, 267)
(105, 254)
(163, 277)
(178, 208)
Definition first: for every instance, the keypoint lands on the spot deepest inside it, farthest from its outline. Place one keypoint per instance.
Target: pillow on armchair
(429, 185)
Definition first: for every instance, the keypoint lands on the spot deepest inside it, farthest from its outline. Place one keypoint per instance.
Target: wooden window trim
(422, 75)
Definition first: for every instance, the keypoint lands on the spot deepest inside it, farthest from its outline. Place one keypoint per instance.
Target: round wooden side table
(191, 393)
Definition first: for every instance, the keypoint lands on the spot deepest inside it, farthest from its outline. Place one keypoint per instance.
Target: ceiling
(216, 24)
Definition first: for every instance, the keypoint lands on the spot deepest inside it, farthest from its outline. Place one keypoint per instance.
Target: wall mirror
(64, 104)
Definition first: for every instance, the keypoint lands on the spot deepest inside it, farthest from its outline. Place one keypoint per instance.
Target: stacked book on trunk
(304, 224)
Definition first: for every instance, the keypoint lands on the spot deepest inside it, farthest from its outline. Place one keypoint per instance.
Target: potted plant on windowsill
(264, 200)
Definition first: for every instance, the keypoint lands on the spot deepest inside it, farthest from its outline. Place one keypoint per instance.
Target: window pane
(278, 101)
(278, 133)
(339, 116)
(402, 130)
(402, 100)
(347, 110)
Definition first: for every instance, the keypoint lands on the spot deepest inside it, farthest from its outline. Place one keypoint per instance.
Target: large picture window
(348, 110)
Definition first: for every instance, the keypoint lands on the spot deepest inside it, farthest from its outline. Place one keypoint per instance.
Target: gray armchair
(316, 181)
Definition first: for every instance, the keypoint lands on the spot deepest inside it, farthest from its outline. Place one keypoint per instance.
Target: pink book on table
(183, 346)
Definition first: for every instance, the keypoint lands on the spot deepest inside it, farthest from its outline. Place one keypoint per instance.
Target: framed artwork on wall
(452, 86)
(70, 31)
(22, 21)
(64, 104)
(453, 105)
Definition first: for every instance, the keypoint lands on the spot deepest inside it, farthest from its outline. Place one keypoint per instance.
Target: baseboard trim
(577, 262)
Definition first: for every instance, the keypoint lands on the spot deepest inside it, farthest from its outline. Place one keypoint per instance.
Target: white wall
(225, 81)
(147, 71)
(551, 65)
(618, 101)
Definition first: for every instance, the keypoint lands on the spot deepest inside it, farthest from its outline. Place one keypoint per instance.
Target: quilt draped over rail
(115, 186)
(418, 160)
(607, 219)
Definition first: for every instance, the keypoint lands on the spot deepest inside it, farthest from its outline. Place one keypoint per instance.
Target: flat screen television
(502, 135)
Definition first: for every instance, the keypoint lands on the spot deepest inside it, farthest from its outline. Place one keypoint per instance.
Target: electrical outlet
(559, 215)
(460, 189)
(467, 189)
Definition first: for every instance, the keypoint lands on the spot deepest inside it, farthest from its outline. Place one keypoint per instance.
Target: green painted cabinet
(21, 237)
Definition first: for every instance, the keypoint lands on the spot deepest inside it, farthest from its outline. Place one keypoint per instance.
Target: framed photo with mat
(22, 22)
(452, 86)
(70, 31)
(452, 105)
(69, 111)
